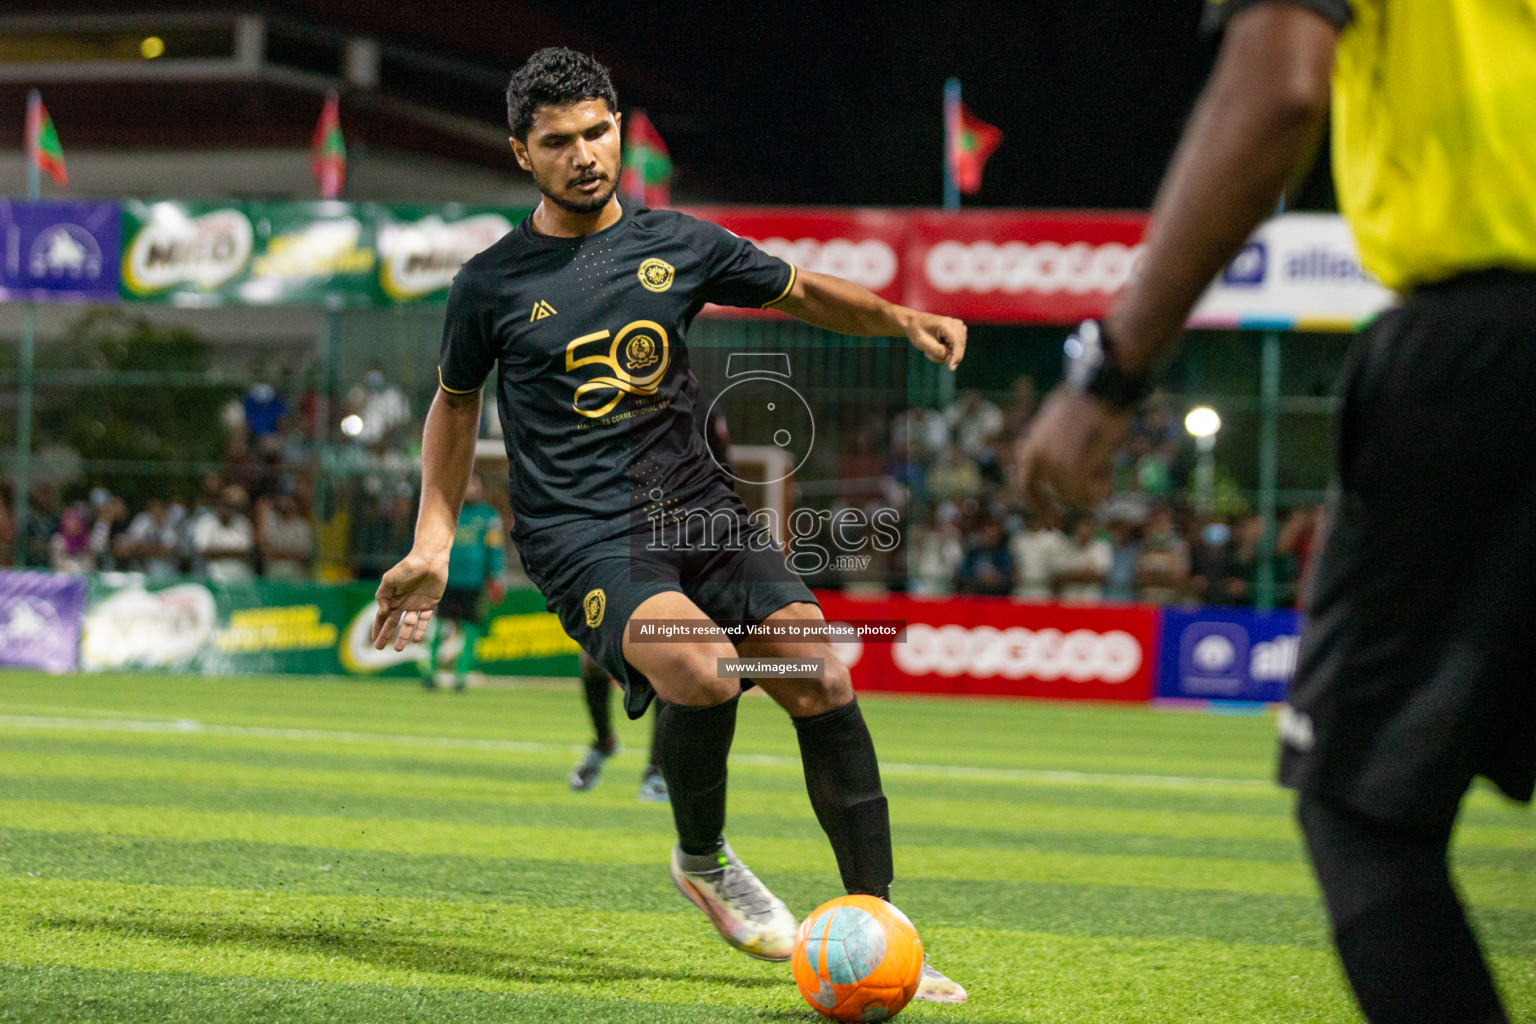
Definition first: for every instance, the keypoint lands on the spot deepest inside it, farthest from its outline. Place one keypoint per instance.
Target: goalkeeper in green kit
(475, 567)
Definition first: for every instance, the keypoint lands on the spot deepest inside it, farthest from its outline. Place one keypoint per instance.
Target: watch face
(768, 412)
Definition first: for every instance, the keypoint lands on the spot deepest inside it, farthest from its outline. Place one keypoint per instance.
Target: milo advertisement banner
(299, 628)
(294, 254)
(421, 248)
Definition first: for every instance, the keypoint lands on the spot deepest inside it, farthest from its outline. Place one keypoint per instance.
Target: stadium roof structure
(202, 81)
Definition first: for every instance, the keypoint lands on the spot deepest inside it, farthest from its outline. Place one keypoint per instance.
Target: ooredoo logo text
(1080, 655)
(1077, 268)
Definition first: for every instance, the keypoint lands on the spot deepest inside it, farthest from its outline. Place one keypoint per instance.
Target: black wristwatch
(1092, 369)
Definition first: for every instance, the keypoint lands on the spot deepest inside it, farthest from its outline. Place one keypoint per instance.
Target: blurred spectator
(1023, 399)
(1295, 545)
(935, 554)
(1163, 569)
(150, 544)
(1083, 564)
(921, 433)
(1213, 575)
(987, 567)
(971, 420)
(43, 524)
(381, 406)
(224, 541)
(1037, 550)
(1124, 558)
(955, 476)
(107, 530)
(69, 550)
(286, 540)
(265, 411)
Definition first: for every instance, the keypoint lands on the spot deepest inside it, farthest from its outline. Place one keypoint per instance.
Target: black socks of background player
(597, 687)
(843, 779)
(690, 747)
(1400, 930)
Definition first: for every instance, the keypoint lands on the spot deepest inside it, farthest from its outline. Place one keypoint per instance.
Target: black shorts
(462, 604)
(1415, 672)
(725, 564)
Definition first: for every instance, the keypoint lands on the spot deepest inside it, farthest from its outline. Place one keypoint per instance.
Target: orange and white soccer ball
(857, 958)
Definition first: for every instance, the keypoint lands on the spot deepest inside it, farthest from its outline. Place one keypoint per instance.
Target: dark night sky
(838, 103)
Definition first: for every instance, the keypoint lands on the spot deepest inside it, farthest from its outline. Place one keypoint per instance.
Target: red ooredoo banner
(991, 266)
(997, 647)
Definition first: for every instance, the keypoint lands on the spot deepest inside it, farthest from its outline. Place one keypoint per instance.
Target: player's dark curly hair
(555, 76)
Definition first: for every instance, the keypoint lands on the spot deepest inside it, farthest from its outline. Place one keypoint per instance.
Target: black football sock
(843, 779)
(1401, 934)
(690, 746)
(598, 688)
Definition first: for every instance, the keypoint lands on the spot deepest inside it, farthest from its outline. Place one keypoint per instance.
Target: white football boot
(740, 906)
(934, 987)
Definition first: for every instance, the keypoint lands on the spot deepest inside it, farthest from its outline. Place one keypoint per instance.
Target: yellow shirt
(1434, 132)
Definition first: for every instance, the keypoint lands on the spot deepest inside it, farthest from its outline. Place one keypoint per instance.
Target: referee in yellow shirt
(1414, 673)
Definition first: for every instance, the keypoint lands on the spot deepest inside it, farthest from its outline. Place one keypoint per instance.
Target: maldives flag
(647, 176)
(969, 141)
(43, 149)
(328, 151)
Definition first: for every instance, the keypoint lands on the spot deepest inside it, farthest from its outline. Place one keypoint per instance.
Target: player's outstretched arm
(842, 306)
(1255, 125)
(408, 593)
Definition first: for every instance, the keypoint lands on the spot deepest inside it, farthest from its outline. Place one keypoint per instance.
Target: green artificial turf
(287, 850)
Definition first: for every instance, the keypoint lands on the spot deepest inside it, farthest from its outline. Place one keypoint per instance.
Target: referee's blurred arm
(1254, 129)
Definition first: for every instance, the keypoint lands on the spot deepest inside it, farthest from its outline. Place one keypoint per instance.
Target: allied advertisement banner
(1299, 271)
(40, 616)
(1228, 654)
(858, 245)
(1020, 267)
(995, 647)
(59, 251)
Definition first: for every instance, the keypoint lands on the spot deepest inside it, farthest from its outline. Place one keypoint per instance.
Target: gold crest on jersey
(593, 604)
(656, 274)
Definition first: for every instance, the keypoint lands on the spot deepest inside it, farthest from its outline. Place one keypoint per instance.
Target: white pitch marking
(191, 727)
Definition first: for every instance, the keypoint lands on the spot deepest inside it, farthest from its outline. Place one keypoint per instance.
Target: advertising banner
(1020, 267)
(862, 246)
(300, 254)
(1300, 271)
(421, 248)
(998, 647)
(281, 628)
(40, 615)
(59, 252)
(1228, 654)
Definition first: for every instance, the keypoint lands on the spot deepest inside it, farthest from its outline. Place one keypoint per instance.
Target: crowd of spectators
(970, 531)
(952, 471)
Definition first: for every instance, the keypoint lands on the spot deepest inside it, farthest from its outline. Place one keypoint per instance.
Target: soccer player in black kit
(582, 312)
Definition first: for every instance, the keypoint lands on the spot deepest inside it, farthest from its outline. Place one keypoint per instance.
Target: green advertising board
(261, 627)
(293, 254)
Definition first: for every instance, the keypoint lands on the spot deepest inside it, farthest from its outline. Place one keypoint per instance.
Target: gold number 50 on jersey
(637, 358)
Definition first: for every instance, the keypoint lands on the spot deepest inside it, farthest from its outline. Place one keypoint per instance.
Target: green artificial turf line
(330, 850)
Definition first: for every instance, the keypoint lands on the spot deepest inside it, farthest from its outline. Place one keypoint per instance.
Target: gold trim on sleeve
(455, 391)
(793, 273)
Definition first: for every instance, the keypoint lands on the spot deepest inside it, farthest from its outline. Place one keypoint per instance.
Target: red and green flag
(968, 142)
(43, 149)
(328, 151)
(647, 176)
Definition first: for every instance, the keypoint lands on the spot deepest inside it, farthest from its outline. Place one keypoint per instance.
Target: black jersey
(587, 336)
